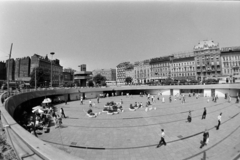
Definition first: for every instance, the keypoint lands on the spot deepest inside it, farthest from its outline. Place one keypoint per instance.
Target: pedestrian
(205, 138)
(219, 121)
(237, 99)
(112, 94)
(204, 113)
(170, 99)
(207, 99)
(81, 100)
(65, 101)
(163, 101)
(162, 141)
(121, 101)
(229, 99)
(62, 113)
(152, 98)
(98, 99)
(148, 96)
(90, 103)
(189, 117)
(122, 93)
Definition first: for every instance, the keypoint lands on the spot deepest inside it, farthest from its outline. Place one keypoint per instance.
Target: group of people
(41, 119)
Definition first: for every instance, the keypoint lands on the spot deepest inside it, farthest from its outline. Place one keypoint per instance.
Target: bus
(12, 85)
(111, 83)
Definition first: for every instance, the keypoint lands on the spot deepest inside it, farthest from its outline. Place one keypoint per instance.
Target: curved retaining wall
(47, 151)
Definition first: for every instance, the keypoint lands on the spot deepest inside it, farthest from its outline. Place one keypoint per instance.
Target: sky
(102, 34)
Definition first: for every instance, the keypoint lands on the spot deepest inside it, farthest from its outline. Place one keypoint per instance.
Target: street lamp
(52, 53)
(45, 84)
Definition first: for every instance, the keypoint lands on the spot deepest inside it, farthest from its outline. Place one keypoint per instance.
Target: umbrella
(38, 110)
(47, 100)
(37, 107)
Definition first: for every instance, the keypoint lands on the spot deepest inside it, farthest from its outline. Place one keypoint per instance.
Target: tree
(90, 83)
(99, 79)
(128, 80)
(42, 75)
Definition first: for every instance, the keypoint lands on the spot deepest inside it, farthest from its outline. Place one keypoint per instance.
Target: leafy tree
(90, 83)
(128, 80)
(99, 79)
(41, 76)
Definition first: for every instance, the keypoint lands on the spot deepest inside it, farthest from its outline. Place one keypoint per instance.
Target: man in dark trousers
(204, 113)
(162, 141)
(98, 99)
(189, 117)
(205, 138)
(62, 113)
(219, 121)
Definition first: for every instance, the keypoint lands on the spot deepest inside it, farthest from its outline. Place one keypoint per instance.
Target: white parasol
(47, 100)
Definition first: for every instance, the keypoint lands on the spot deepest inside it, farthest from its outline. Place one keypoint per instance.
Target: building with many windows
(142, 72)
(46, 65)
(10, 66)
(22, 69)
(121, 72)
(183, 66)
(161, 68)
(83, 76)
(230, 61)
(110, 74)
(129, 71)
(207, 60)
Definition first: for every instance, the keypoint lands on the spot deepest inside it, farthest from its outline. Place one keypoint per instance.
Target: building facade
(142, 72)
(110, 74)
(161, 68)
(22, 69)
(183, 66)
(10, 66)
(230, 61)
(121, 72)
(47, 65)
(3, 70)
(207, 60)
(129, 72)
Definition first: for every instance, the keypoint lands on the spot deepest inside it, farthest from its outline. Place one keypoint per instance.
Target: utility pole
(35, 78)
(8, 89)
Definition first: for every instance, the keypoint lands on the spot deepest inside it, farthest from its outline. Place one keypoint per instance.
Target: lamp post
(45, 84)
(52, 53)
(35, 78)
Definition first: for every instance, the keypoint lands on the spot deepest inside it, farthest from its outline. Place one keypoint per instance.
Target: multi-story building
(110, 74)
(3, 70)
(129, 71)
(142, 72)
(161, 68)
(120, 72)
(17, 69)
(230, 61)
(207, 60)
(83, 76)
(46, 65)
(10, 65)
(183, 66)
(68, 75)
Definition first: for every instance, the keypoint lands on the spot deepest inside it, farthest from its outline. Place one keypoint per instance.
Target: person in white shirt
(162, 141)
(90, 103)
(219, 121)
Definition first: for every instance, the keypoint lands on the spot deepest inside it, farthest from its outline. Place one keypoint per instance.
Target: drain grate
(73, 143)
(180, 136)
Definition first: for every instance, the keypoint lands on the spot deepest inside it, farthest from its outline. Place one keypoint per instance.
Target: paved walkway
(135, 134)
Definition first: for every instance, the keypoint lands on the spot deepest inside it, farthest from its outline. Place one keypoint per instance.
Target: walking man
(189, 117)
(204, 113)
(162, 141)
(205, 138)
(62, 113)
(81, 100)
(98, 99)
(219, 121)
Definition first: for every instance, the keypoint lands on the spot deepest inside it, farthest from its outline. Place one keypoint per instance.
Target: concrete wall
(207, 92)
